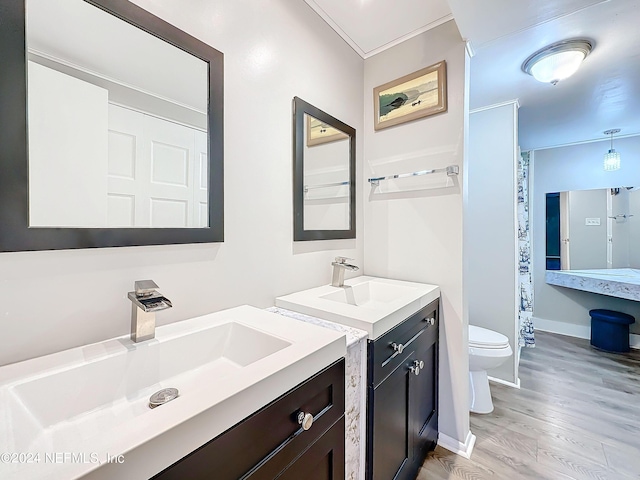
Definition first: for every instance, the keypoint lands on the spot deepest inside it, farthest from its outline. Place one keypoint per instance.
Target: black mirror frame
(300, 107)
(15, 233)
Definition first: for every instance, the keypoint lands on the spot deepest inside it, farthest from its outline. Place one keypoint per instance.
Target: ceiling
(371, 26)
(603, 94)
(115, 55)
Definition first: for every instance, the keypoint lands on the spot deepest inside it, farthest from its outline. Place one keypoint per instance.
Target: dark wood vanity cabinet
(271, 443)
(402, 397)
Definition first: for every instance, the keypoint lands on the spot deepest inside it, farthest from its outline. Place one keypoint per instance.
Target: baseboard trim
(504, 382)
(459, 448)
(573, 330)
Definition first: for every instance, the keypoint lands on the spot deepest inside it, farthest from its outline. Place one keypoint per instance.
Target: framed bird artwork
(413, 96)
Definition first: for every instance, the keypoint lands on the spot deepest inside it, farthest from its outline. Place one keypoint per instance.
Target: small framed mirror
(324, 188)
(112, 128)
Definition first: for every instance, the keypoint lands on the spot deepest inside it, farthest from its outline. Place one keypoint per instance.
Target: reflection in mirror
(132, 99)
(117, 123)
(324, 175)
(593, 229)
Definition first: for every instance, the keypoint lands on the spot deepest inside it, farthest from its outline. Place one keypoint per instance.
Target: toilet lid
(484, 338)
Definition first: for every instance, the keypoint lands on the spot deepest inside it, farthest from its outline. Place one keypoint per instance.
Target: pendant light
(557, 61)
(612, 158)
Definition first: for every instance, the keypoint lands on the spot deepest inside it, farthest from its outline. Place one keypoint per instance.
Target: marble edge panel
(354, 335)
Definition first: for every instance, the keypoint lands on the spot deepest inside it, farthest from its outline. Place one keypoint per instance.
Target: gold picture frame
(417, 95)
(319, 132)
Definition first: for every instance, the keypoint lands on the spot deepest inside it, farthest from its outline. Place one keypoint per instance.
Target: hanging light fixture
(612, 158)
(557, 61)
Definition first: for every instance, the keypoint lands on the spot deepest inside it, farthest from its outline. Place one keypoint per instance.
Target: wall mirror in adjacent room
(593, 229)
(324, 192)
(122, 139)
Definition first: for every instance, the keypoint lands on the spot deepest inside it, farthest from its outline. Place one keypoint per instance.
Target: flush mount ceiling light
(612, 158)
(557, 61)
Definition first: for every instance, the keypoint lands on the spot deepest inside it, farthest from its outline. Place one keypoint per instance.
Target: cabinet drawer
(270, 435)
(419, 329)
(324, 460)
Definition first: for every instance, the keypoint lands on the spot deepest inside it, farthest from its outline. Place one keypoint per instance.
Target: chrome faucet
(146, 300)
(339, 266)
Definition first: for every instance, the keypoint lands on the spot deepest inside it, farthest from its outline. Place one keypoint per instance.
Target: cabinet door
(402, 401)
(269, 441)
(390, 440)
(324, 460)
(423, 394)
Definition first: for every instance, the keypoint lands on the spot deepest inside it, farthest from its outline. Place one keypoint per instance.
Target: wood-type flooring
(576, 416)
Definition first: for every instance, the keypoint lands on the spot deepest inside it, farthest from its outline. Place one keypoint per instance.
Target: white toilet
(487, 350)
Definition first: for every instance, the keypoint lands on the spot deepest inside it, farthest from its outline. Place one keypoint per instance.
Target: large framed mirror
(593, 229)
(112, 128)
(324, 188)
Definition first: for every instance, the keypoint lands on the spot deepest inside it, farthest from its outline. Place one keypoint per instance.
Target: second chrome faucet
(339, 266)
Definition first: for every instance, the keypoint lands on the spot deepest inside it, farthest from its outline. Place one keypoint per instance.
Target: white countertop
(376, 317)
(614, 282)
(150, 440)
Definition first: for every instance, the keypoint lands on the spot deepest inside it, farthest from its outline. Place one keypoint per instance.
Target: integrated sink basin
(370, 294)
(93, 401)
(369, 303)
(123, 383)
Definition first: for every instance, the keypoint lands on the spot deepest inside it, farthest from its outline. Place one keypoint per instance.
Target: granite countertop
(614, 282)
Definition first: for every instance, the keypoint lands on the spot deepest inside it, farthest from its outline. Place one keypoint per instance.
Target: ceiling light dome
(557, 61)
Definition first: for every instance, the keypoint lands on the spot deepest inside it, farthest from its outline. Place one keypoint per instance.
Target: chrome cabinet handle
(398, 347)
(430, 321)
(305, 420)
(418, 363)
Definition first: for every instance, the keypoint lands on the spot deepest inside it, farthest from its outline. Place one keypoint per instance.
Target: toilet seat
(487, 350)
(483, 338)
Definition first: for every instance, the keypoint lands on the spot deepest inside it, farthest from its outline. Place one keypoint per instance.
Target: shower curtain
(525, 314)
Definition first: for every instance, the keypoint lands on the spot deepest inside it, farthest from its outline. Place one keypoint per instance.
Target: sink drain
(163, 396)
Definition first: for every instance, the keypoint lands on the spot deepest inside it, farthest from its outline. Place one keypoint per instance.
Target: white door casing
(565, 264)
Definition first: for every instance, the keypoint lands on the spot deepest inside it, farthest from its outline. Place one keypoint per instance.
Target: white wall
(634, 229)
(621, 228)
(587, 243)
(60, 107)
(490, 231)
(274, 50)
(576, 167)
(417, 234)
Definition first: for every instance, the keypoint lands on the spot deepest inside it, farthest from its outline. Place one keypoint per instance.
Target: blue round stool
(610, 330)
